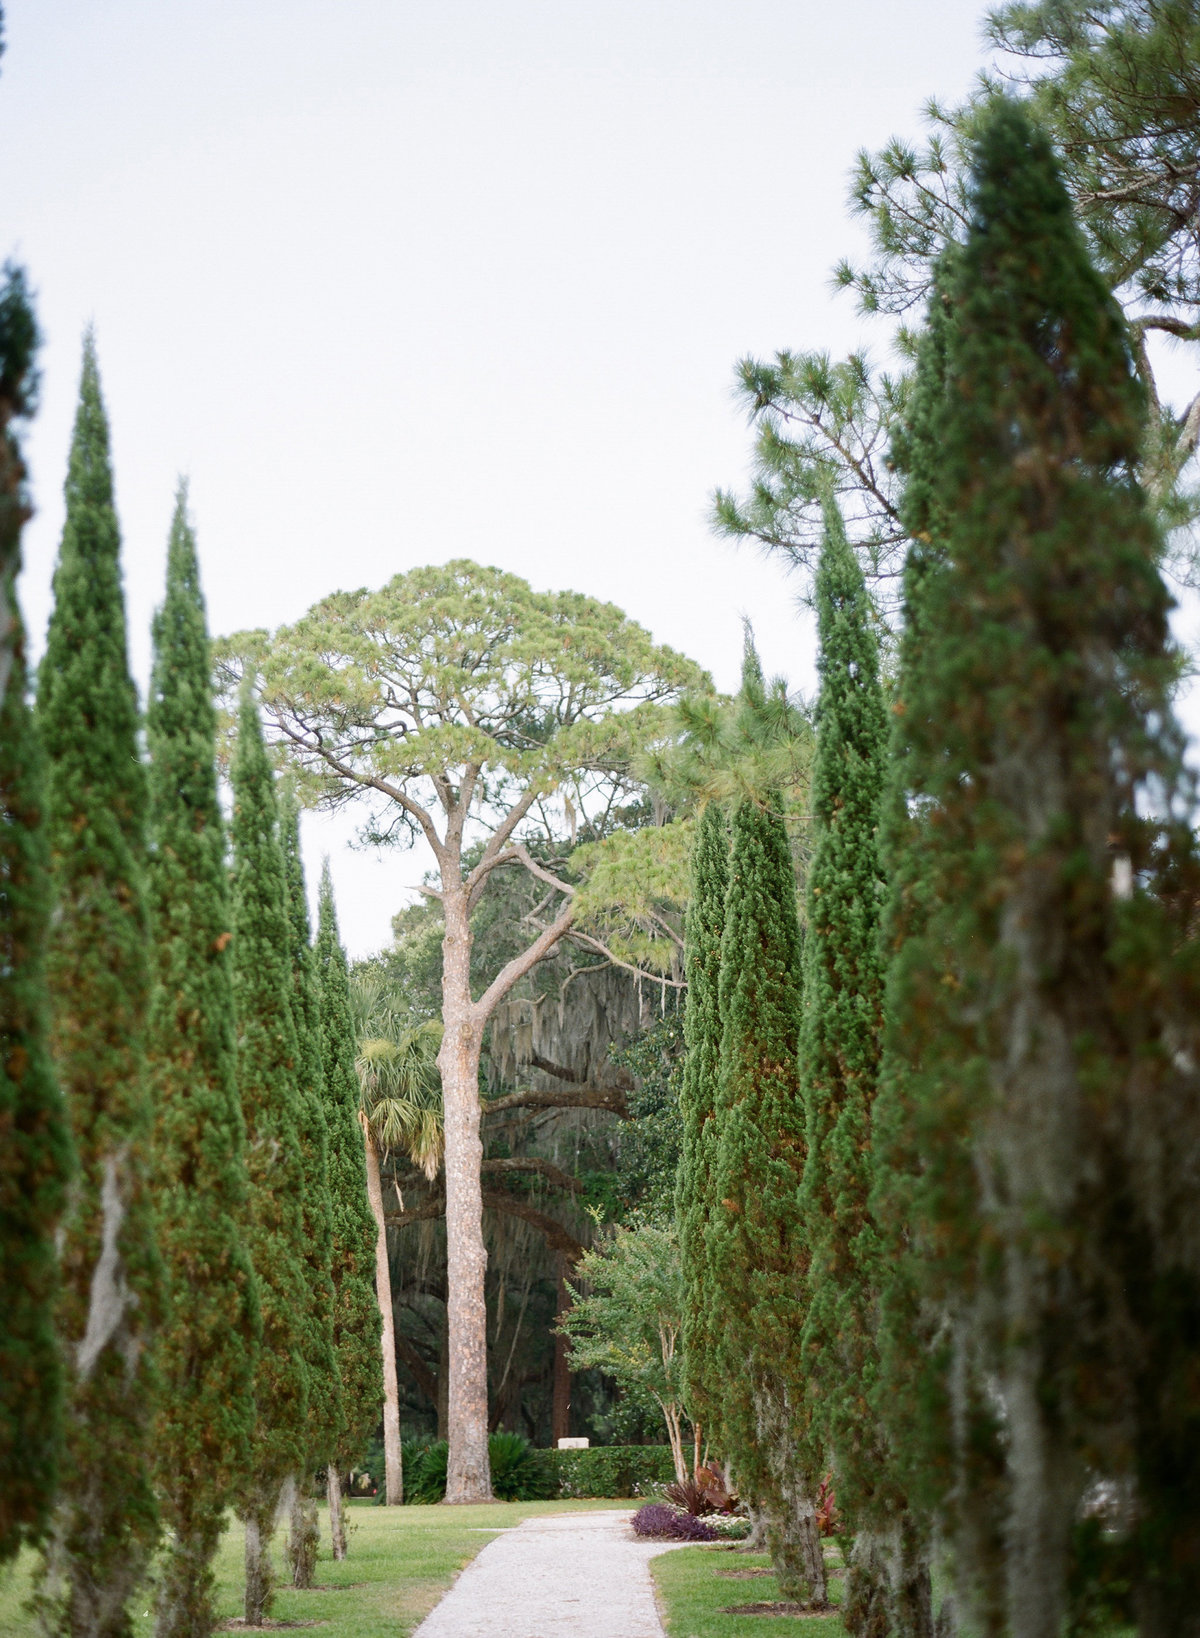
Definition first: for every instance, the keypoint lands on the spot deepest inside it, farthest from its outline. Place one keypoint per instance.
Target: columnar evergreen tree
(355, 1311)
(754, 1251)
(1040, 1083)
(839, 1059)
(275, 1217)
(35, 1148)
(325, 1416)
(210, 1337)
(695, 1200)
(107, 1520)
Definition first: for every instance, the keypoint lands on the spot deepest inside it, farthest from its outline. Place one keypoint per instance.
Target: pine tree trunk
(337, 1517)
(468, 1476)
(259, 1578)
(304, 1534)
(393, 1459)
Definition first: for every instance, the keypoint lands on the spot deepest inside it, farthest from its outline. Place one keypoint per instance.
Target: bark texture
(392, 1455)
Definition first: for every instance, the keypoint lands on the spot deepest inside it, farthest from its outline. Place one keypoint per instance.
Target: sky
(394, 282)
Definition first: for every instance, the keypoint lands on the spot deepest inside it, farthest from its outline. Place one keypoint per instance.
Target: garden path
(567, 1575)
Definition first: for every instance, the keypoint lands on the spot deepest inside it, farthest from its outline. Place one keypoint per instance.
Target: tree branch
(514, 970)
(556, 1236)
(543, 1168)
(611, 1098)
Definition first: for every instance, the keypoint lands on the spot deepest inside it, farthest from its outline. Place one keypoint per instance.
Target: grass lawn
(696, 1584)
(401, 1560)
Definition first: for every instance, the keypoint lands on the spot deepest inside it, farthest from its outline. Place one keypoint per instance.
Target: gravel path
(565, 1575)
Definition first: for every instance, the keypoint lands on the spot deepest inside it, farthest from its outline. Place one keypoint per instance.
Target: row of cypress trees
(939, 1201)
(203, 1332)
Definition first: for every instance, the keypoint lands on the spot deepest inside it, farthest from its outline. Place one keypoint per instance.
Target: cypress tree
(210, 1338)
(325, 1417)
(35, 1149)
(356, 1321)
(1043, 980)
(107, 1520)
(754, 1250)
(267, 1075)
(694, 1197)
(839, 1056)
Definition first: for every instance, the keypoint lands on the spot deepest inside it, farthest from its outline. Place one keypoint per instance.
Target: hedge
(609, 1470)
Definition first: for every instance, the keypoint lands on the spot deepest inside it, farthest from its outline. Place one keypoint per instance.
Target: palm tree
(401, 1109)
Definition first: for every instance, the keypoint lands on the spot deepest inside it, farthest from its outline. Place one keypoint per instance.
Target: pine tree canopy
(35, 1149)
(99, 977)
(267, 1055)
(210, 1341)
(1043, 877)
(356, 1322)
(326, 1419)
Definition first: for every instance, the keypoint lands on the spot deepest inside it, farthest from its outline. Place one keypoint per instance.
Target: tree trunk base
(260, 1578)
(304, 1535)
(794, 1543)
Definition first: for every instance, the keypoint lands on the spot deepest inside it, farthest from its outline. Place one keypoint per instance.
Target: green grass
(400, 1562)
(695, 1587)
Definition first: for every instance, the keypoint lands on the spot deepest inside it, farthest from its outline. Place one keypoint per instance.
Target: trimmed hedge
(609, 1470)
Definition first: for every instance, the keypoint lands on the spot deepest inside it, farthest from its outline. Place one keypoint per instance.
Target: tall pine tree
(210, 1339)
(1040, 1063)
(325, 1415)
(106, 1521)
(755, 1255)
(356, 1323)
(35, 1149)
(694, 1196)
(267, 1057)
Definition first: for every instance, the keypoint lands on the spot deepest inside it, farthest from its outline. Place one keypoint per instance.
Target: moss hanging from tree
(267, 1066)
(210, 1339)
(755, 1254)
(325, 1415)
(695, 1200)
(106, 1521)
(355, 1312)
(1043, 983)
(35, 1147)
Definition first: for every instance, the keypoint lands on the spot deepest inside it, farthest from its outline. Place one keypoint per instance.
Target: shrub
(661, 1519)
(609, 1470)
(425, 1472)
(691, 1496)
(518, 1471)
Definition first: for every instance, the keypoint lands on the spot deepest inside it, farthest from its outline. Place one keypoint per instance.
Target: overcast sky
(395, 281)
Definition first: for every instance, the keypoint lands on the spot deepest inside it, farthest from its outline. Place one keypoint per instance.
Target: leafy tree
(462, 702)
(1043, 968)
(695, 1197)
(210, 1337)
(356, 1321)
(839, 1061)
(35, 1148)
(753, 1252)
(1116, 86)
(106, 1520)
(626, 1319)
(275, 1221)
(326, 1417)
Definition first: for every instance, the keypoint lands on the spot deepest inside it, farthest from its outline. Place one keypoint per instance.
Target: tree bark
(304, 1533)
(794, 1542)
(393, 1460)
(468, 1477)
(337, 1517)
(560, 1415)
(259, 1579)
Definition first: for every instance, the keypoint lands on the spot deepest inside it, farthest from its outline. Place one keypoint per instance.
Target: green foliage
(97, 969)
(643, 1179)
(752, 1250)
(609, 1470)
(1043, 969)
(210, 1338)
(266, 1060)
(356, 1322)
(326, 1418)
(695, 1199)
(35, 1149)
(627, 1313)
(519, 1472)
(840, 1037)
